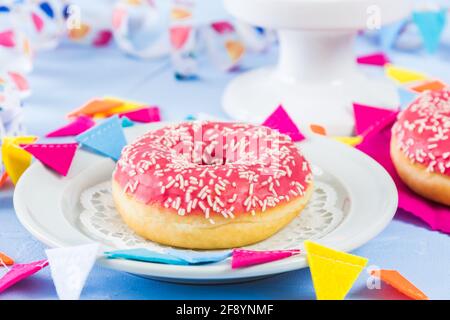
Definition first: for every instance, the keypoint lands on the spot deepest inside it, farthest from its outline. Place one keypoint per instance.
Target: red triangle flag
(55, 156)
(245, 258)
(368, 118)
(147, 114)
(280, 120)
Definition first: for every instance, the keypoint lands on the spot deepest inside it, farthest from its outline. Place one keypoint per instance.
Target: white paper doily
(100, 220)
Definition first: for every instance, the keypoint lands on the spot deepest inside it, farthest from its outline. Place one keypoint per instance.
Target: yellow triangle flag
(126, 106)
(403, 75)
(15, 159)
(351, 141)
(333, 272)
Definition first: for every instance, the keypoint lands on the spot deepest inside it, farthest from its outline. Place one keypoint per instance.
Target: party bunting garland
(57, 157)
(15, 159)
(400, 283)
(77, 126)
(245, 258)
(333, 272)
(107, 138)
(18, 272)
(281, 121)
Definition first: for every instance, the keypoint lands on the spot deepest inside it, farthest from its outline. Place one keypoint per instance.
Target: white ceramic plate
(49, 207)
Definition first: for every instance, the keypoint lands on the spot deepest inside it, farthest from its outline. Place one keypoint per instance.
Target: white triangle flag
(70, 268)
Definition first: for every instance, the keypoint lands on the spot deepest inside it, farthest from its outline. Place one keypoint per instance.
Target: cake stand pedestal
(316, 78)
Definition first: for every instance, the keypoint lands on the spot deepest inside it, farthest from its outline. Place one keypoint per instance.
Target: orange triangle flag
(95, 106)
(400, 283)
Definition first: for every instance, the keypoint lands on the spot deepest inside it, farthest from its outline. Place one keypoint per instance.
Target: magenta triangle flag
(368, 118)
(77, 126)
(375, 59)
(7, 39)
(55, 156)
(146, 115)
(280, 120)
(244, 258)
(18, 272)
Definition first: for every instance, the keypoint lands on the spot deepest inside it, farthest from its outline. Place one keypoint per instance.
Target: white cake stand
(316, 78)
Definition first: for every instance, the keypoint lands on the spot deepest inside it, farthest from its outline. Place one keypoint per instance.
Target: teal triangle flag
(430, 25)
(127, 122)
(106, 138)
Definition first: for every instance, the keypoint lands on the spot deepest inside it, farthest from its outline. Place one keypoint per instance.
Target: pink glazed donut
(420, 145)
(211, 185)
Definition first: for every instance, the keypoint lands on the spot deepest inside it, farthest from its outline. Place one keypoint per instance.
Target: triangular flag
(333, 272)
(400, 283)
(145, 256)
(180, 14)
(80, 32)
(127, 122)
(19, 80)
(235, 49)
(402, 75)
(388, 34)
(7, 39)
(222, 27)
(70, 268)
(351, 141)
(280, 120)
(375, 59)
(244, 258)
(3, 179)
(37, 21)
(107, 138)
(196, 257)
(5, 260)
(367, 117)
(430, 23)
(434, 85)
(45, 6)
(19, 272)
(15, 159)
(102, 39)
(146, 115)
(55, 156)
(125, 106)
(95, 106)
(77, 126)
(318, 129)
(179, 36)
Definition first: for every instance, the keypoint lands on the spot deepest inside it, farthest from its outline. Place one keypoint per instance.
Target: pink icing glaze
(422, 131)
(213, 168)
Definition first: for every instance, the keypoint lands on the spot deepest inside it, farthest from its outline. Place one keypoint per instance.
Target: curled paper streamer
(43, 21)
(140, 29)
(15, 48)
(224, 45)
(90, 22)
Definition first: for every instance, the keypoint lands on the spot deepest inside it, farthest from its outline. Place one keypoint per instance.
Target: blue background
(67, 77)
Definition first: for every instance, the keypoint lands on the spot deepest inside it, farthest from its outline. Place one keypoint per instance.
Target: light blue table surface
(67, 77)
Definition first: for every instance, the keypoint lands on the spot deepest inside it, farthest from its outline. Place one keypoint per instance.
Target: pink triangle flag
(38, 22)
(19, 80)
(370, 119)
(77, 126)
(281, 121)
(18, 272)
(7, 39)
(179, 36)
(375, 59)
(55, 156)
(147, 114)
(244, 258)
(222, 27)
(435, 215)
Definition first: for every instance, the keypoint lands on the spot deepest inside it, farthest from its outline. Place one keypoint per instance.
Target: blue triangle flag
(430, 24)
(389, 34)
(196, 257)
(106, 138)
(406, 97)
(141, 254)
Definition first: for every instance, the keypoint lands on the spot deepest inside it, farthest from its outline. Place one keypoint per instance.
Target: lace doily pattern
(100, 221)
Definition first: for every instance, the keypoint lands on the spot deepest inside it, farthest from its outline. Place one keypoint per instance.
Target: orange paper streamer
(400, 283)
(5, 260)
